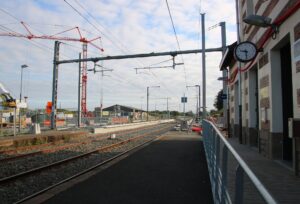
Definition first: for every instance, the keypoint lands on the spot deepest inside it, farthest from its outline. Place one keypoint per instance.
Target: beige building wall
(269, 122)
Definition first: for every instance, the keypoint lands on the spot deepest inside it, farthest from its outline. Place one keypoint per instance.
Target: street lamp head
(261, 21)
(24, 66)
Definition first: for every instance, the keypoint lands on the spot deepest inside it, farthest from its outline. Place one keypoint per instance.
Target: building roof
(228, 56)
(121, 108)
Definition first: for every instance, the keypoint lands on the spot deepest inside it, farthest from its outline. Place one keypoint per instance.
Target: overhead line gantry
(57, 62)
(142, 55)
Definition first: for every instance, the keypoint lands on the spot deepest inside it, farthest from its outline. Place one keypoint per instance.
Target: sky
(125, 27)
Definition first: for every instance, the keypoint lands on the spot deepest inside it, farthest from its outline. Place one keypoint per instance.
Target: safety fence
(232, 180)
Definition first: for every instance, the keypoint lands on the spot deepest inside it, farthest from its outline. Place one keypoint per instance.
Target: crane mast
(84, 80)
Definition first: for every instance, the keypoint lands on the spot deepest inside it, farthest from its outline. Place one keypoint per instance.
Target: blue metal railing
(217, 150)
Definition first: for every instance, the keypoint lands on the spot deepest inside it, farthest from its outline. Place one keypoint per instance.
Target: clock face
(245, 51)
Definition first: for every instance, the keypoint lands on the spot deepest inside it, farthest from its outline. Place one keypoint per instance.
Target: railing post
(217, 165)
(213, 138)
(239, 184)
(212, 151)
(224, 173)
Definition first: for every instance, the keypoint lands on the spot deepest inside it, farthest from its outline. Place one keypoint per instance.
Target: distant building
(270, 85)
(124, 111)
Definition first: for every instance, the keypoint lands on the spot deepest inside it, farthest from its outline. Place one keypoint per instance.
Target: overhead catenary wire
(178, 45)
(116, 39)
(122, 48)
(88, 13)
(154, 75)
(93, 25)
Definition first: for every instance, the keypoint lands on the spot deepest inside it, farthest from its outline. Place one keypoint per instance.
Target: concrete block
(113, 136)
(35, 128)
(98, 130)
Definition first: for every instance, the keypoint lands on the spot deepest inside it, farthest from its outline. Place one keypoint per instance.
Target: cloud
(125, 27)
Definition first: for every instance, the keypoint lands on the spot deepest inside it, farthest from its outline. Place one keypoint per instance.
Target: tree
(219, 101)
(174, 113)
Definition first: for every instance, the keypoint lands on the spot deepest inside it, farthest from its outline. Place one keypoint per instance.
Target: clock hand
(246, 53)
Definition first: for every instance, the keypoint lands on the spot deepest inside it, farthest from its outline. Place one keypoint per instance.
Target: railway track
(24, 162)
(28, 151)
(77, 165)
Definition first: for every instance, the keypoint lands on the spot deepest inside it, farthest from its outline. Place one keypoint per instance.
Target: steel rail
(64, 161)
(103, 136)
(86, 171)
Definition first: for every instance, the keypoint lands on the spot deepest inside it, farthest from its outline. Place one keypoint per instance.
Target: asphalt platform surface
(170, 170)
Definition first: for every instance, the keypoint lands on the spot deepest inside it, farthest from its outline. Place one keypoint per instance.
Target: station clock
(245, 51)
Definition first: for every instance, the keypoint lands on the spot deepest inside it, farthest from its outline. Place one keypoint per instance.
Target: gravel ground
(14, 191)
(24, 164)
(35, 148)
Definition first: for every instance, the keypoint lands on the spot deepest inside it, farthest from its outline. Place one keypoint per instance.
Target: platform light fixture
(261, 21)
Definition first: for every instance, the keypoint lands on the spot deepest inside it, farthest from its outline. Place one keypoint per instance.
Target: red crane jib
(56, 36)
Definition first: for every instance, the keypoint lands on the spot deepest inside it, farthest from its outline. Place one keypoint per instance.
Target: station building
(267, 89)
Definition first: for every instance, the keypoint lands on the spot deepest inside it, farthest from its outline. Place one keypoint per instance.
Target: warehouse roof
(121, 108)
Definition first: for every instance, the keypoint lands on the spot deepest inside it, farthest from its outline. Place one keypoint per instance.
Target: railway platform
(172, 169)
(277, 177)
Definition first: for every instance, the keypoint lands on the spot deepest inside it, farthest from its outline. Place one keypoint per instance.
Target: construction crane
(7, 99)
(57, 36)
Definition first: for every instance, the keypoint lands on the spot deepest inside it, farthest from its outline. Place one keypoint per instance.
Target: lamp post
(141, 107)
(22, 67)
(199, 95)
(168, 108)
(148, 99)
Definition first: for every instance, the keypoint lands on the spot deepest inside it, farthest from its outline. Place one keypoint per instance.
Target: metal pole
(203, 64)
(54, 84)
(21, 89)
(184, 107)
(239, 75)
(199, 100)
(20, 98)
(1, 123)
(228, 109)
(21, 84)
(224, 75)
(101, 94)
(15, 112)
(79, 93)
(197, 108)
(147, 103)
(168, 108)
